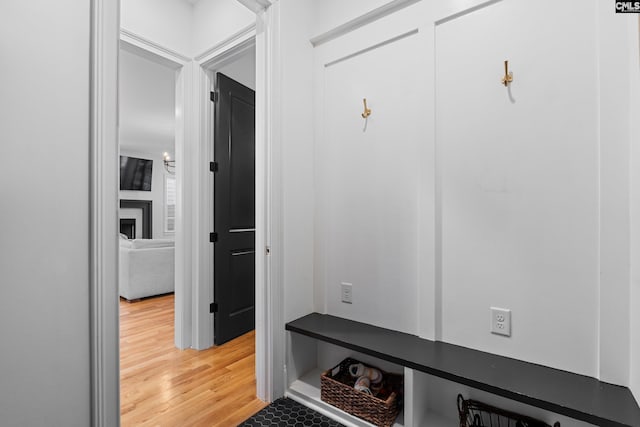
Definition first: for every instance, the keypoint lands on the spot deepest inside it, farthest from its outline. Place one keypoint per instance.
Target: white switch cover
(347, 295)
(501, 321)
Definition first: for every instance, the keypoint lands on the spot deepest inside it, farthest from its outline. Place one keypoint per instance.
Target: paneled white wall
(297, 156)
(462, 194)
(519, 181)
(369, 172)
(44, 263)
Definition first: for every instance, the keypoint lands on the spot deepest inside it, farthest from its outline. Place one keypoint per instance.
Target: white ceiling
(147, 105)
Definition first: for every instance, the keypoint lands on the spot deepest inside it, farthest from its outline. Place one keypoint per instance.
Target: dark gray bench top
(575, 396)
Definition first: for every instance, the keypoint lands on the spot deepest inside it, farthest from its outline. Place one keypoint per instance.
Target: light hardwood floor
(163, 386)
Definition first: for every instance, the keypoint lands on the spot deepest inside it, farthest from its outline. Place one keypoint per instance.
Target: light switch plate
(347, 293)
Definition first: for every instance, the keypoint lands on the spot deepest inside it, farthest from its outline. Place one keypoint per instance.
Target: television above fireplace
(135, 173)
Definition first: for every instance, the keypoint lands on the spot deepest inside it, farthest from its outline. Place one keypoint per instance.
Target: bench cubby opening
(309, 358)
(435, 372)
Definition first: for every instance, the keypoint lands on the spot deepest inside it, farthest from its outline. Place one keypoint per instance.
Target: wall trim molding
(256, 6)
(269, 118)
(103, 199)
(465, 11)
(372, 47)
(361, 21)
(133, 39)
(203, 220)
(229, 43)
(183, 220)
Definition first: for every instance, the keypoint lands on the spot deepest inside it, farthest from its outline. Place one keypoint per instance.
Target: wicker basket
(379, 412)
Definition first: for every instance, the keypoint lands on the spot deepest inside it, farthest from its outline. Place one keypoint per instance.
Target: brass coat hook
(367, 111)
(508, 76)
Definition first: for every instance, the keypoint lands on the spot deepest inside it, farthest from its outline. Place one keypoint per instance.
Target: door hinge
(213, 166)
(213, 237)
(213, 307)
(213, 96)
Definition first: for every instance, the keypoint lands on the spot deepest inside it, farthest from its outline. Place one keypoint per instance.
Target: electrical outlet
(501, 321)
(347, 294)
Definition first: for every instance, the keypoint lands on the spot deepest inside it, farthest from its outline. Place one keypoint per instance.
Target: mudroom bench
(431, 366)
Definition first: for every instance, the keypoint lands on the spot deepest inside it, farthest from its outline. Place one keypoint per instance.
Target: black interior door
(234, 209)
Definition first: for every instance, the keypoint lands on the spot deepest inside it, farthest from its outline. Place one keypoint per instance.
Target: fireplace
(138, 224)
(128, 227)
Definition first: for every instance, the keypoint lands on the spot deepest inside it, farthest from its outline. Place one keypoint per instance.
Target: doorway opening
(157, 346)
(194, 322)
(233, 193)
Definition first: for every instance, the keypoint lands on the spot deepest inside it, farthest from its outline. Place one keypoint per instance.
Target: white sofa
(147, 267)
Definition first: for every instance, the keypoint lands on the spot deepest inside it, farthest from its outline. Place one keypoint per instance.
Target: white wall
(147, 106)
(297, 157)
(44, 315)
(167, 23)
(216, 20)
(242, 69)
(156, 195)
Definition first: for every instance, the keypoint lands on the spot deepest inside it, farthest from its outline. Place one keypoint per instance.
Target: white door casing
(104, 208)
(105, 354)
(180, 63)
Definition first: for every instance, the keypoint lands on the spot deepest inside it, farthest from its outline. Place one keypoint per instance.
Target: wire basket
(477, 414)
